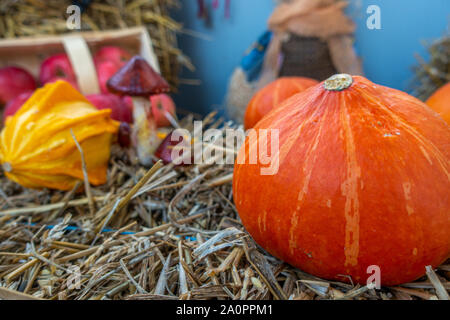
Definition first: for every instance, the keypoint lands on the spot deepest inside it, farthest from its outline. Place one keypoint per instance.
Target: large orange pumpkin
(363, 179)
(37, 148)
(440, 102)
(272, 96)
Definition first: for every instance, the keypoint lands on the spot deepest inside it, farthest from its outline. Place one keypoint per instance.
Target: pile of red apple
(17, 85)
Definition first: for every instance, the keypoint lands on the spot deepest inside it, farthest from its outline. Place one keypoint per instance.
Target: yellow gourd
(37, 149)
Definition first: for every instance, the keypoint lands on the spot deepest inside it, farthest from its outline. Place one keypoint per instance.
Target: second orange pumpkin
(440, 102)
(269, 97)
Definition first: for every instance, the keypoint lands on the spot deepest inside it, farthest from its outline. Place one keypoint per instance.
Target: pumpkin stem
(338, 82)
(7, 167)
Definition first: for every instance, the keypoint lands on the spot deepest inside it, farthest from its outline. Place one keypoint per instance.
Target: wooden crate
(29, 52)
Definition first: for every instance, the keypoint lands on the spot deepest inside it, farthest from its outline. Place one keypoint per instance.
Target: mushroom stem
(144, 130)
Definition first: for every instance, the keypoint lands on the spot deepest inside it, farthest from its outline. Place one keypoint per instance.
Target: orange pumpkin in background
(269, 97)
(37, 149)
(440, 102)
(361, 178)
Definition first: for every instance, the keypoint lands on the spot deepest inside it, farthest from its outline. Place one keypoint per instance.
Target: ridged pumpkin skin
(272, 96)
(440, 102)
(37, 149)
(363, 179)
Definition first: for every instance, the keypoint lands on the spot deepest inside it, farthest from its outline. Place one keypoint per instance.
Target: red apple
(57, 67)
(105, 70)
(128, 101)
(13, 82)
(113, 54)
(120, 110)
(15, 104)
(108, 60)
(162, 104)
(71, 81)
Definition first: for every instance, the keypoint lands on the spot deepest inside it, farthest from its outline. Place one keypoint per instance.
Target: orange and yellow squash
(360, 180)
(440, 102)
(272, 95)
(37, 149)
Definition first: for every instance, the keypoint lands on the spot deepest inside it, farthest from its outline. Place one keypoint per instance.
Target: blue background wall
(387, 54)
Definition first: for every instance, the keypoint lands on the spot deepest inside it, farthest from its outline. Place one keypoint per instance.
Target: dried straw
(431, 75)
(163, 233)
(37, 17)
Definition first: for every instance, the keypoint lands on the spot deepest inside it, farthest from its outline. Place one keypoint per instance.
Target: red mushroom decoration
(138, 80)
(171, 142)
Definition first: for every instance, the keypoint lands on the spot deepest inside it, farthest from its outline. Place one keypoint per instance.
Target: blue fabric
(105, 230)
(253, 61)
